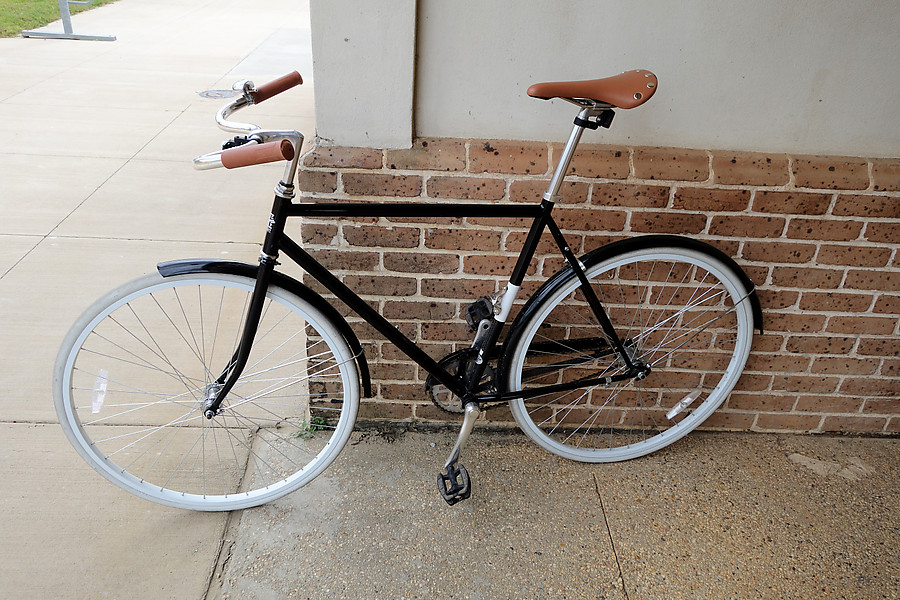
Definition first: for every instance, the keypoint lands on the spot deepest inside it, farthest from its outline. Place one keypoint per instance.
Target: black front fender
(228, 267)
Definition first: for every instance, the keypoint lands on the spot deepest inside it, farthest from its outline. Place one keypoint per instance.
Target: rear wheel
(678, 310)
(134, 372)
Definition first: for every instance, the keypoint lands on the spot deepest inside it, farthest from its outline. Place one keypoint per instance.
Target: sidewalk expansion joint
(609, 533)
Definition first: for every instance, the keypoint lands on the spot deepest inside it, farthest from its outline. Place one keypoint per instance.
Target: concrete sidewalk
(96, 187)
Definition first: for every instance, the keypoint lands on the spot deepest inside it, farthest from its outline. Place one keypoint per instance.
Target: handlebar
(261, 145)
(275, 87)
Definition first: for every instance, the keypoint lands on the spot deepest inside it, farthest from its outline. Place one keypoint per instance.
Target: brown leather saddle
(626, 90)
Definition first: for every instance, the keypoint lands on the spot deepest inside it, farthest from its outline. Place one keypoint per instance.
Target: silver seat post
(552, 193)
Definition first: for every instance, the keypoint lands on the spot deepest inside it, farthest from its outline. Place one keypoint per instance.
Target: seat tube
(568, 152)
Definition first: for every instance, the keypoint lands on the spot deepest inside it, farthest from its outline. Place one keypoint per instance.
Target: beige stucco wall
(805, 76)
(363, 63)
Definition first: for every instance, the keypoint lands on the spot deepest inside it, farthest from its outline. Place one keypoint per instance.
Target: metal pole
(68, 32)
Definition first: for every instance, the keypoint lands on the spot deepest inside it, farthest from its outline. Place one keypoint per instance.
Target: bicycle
(219, 385)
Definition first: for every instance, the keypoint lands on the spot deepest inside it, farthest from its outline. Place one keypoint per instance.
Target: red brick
(887, 304)
(886, 174)
(881, 232)
(806, 277)
(746, 226)
(791, 203)
(828, 404)
(835, 301)
(435, 351)
(546, 246)
(767, 342)
(856, 256)
(421, 262)
(505, 156)
(787, 422)
(532, 190)
(761, 402)
(723, 420)
(343, 157)
(608, 162)
(381, 184)
(776, 299)
(377, 411)
(322, 182)
(387, 371)
(458, 288)
(854, 424)
(711, 199)
(431, 154)
(778, 252)
(860, 324)
(367, 333)
(499, 414)
(419, 310)
(793, 323)
(843, 365)
(378, 285)
(871, 386)
(731, 248)
(820, 345)
(808, 384)
(430, 412)
(318, 233)
(751, 382)
(492, 265)
(824, 229)
(384, 237)
(667, 222)
(630, 195)
(769, 363)
(466, 188)
(831, 172)
(447, 331)
(463, 239)
(884, 281)
(342, 260)
(676, 164)
(590, 219)
(882, 406)
(879, 347)
(855, 205)
(890, 367)
(750, 168)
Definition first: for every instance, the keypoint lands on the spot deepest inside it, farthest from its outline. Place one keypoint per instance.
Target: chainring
(455, 364)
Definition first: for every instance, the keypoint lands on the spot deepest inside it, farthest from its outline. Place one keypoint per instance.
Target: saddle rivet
(651, 86)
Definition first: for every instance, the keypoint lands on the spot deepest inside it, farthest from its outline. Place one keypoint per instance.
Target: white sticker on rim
(99, 394)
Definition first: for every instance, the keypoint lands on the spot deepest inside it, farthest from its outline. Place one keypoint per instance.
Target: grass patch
(18, 15)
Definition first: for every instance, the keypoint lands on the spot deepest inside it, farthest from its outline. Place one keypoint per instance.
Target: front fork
(268, 258)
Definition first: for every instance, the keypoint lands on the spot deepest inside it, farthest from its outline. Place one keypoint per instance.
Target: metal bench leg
(68, 33)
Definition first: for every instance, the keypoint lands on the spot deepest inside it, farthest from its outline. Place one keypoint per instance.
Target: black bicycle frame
(277, 241)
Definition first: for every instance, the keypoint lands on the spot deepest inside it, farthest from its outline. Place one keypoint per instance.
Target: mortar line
(609, 533)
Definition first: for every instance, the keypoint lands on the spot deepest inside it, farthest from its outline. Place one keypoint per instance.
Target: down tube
(370, 315)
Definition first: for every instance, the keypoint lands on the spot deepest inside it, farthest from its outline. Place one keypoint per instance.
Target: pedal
(479, 310)
(454, 484)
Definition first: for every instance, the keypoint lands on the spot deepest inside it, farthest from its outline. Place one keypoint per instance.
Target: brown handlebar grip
(257, 154)
(275, 87)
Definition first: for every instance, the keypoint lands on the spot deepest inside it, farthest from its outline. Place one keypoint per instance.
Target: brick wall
(818, 235)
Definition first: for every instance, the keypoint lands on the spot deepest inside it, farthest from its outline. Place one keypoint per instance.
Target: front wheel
(680, 312)
(134, 372)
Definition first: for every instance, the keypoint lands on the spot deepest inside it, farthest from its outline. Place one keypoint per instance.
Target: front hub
(209, 405)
